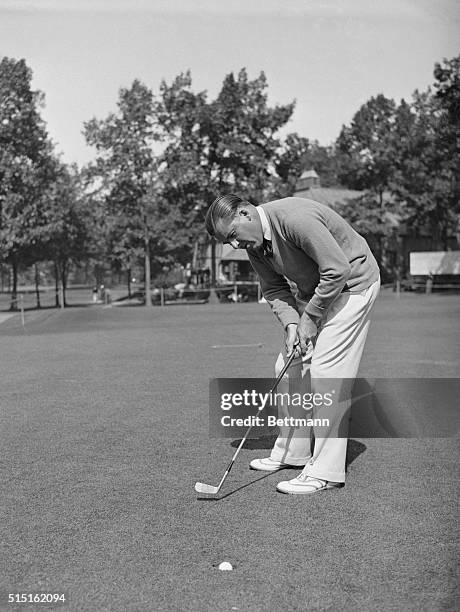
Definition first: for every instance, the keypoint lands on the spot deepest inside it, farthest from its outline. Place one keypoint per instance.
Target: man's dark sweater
(318, 250)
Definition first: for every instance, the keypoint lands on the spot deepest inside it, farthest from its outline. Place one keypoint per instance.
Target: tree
(127, 167)
(26, 168)
(447, 87)
(426, 150)
(243, 142)
(290, 162)
(100, 250)
(183, 117)
(65, 239)
(364, 149)
(366, 159)
(228, 144)
(324, 160)
(408, 155)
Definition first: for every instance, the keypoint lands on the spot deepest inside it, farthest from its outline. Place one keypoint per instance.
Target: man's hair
(223, 207)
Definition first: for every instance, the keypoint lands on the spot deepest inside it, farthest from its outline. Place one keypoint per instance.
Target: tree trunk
(384, 259)
(37, 285)
(148, 293)
(56, 284)
(129, 282)
(398, 259)
(213, 262)
(64, 273)
(14, 291)
(445, 235)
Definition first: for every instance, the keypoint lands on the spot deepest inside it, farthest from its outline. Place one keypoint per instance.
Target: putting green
(104, 433)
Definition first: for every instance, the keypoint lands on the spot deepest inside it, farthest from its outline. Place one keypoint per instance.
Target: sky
(330, 56)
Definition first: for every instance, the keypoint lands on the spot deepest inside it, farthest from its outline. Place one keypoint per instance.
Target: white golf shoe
(303, 484)
(269, 465)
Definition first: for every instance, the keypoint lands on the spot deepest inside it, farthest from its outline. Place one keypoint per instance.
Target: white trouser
(336, 355)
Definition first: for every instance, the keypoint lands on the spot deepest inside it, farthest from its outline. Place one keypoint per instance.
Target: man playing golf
(337, 281)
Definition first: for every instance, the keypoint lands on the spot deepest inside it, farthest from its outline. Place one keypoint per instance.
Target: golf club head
(200, 487)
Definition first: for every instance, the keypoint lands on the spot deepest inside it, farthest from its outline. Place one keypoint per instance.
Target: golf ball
(225, 566)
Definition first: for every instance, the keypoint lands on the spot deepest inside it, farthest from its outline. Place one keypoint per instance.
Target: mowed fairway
(104, 431)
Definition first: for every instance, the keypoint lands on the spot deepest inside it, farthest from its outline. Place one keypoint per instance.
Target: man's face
(244, 231)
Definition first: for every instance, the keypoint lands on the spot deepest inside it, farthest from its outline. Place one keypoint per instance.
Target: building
(231, 265)
(308, 180)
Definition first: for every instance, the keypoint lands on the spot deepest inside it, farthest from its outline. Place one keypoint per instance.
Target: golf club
(201, 487)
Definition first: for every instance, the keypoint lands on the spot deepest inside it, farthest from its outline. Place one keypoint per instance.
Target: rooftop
(309, 174)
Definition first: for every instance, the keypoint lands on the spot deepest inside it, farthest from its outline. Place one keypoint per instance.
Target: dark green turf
(104, 433)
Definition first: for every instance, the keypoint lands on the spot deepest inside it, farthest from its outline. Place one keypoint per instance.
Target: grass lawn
(104, 431)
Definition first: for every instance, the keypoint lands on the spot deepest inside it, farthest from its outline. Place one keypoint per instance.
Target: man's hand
(307, 331)
(291, 339)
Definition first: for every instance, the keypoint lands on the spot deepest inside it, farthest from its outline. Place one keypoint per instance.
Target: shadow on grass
(354, 448)
(255, 443)
(248, 484)
(46, 308)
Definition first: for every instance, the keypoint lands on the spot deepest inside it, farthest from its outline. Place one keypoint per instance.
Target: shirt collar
(265, 224)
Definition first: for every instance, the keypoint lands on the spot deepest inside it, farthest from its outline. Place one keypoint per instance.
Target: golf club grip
(284, 370)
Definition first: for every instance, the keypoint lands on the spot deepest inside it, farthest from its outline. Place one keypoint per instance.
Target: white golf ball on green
(225, 566)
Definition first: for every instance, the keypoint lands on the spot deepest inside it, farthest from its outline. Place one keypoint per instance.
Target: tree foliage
(66, 237)
(426, 150)
(411, 153)
(26, 167)
(226, 144)
(365, 146)
(161, 159)
(124, 171)
(243, 142)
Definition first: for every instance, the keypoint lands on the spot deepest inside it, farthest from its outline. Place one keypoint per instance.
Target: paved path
(4, 316)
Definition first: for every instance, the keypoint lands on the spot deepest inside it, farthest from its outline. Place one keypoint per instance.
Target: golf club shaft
(241, 444)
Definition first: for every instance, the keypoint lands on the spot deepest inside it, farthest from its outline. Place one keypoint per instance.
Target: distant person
(337, 280)
(180, 288)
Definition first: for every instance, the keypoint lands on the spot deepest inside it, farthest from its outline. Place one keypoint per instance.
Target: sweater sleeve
(275, 290)
(315, 239)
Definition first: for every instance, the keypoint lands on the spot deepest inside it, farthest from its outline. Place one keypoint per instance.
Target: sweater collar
(265, 224)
